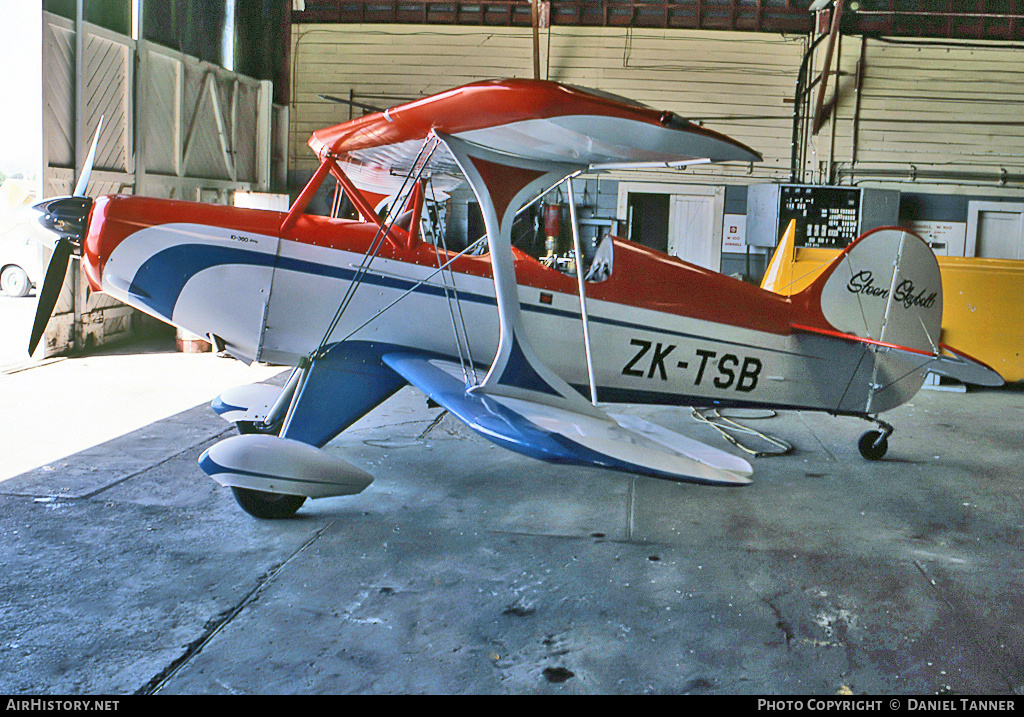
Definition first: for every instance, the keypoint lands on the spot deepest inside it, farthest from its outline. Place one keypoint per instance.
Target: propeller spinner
(67, 218)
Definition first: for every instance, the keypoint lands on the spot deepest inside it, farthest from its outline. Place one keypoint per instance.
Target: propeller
(67, 218)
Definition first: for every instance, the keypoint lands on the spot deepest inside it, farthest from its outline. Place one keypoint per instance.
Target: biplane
(531, 357)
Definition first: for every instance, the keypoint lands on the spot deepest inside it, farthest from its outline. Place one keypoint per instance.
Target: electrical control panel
(826, 217)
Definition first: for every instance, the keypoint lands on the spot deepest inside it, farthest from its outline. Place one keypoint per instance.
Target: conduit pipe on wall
(798, 100)
(1002, 177)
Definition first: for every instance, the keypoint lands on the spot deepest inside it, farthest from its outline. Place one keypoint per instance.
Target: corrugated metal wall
(927, 109)
(907, 107)
(741, 82)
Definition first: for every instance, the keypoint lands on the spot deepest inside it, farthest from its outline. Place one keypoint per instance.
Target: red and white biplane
(524, 354)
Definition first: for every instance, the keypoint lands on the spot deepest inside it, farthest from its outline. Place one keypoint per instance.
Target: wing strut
(522, 404)
(501, 184)
(583, 292)
(302, 201)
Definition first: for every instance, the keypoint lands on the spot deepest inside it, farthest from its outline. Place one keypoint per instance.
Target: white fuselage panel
(274, 300)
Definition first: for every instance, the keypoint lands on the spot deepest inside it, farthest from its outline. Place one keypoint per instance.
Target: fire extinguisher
(552, 227)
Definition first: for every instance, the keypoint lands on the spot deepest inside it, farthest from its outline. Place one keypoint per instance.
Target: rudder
(884, 287)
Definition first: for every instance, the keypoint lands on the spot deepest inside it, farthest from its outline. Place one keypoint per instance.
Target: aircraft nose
(66, 218)
(98, 244)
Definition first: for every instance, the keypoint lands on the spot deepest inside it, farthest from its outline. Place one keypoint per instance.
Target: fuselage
(662, 331)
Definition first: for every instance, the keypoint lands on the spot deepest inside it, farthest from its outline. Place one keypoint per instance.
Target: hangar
(514, 290)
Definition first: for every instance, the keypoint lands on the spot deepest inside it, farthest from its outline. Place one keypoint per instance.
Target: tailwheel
(874, 444)
(268, 506)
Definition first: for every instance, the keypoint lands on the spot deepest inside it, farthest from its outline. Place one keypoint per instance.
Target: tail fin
(778, 278)
(885, 287)
(885, 291)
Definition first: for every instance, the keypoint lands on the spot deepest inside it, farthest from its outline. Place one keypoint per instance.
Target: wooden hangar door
(684, 221)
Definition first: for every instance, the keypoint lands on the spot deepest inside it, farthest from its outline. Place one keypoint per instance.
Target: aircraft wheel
(268, 506)
(873, 445)
(14, 281)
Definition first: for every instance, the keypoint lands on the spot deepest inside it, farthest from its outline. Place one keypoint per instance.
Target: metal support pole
(300, 377)
(535, 21)
(284, 401)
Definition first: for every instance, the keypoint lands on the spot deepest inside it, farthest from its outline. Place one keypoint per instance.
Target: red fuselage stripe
(642, 278)
(860, 339)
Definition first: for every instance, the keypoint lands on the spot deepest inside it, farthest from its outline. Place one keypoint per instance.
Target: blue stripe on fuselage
(160, 280)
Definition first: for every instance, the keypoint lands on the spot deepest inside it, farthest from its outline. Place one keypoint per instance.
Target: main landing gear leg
(873, 444)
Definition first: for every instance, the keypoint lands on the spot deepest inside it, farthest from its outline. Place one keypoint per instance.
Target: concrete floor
(468, 569)
(16, 315)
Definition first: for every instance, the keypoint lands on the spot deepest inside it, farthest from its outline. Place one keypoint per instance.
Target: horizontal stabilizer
(281, 465)
(963, 368)
(558, 435)
(958, 366)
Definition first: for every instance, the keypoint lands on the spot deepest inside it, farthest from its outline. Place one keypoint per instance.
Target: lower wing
(559, 435)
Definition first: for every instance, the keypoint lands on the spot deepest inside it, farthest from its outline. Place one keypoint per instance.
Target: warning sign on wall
(734, 234)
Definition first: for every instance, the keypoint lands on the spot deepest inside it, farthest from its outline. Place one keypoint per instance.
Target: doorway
(995, 230)
(681, 220)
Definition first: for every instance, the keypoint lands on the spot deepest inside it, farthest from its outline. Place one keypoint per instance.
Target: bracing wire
(461, 340)
(378, 240)
(448, 292)
(415, 286)
(462, 320)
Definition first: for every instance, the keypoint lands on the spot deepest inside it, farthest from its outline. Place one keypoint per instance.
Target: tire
(267, 506)
(873, 445)
(14, 281)
(258, 503)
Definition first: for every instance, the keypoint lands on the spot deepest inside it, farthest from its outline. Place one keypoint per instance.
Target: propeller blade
(83, 180)
(67, 217)
(48, 295)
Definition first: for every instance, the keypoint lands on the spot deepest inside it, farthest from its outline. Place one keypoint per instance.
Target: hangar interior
(464, 568)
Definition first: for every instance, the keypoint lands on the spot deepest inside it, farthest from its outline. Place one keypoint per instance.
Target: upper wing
(528, 119)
